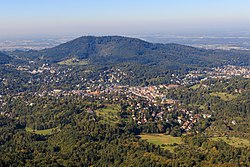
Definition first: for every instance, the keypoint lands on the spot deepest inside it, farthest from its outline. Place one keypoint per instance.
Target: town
(143, 104)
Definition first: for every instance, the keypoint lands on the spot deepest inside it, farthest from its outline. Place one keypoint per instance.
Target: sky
(27, 18)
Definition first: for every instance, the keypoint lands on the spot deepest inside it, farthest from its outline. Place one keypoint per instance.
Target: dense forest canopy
(4, 59)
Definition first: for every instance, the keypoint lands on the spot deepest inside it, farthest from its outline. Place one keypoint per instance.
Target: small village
(226, 72)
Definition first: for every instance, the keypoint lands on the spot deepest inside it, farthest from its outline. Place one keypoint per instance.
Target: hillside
(4, 59)
(112, 50)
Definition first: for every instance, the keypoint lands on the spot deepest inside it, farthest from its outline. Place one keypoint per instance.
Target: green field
(194, 87)
(109, 113)
(233, 141)
(41, 132)
(164, 141)
(224, 96)
(73, 61)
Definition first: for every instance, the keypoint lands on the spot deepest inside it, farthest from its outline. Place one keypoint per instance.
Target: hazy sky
(108, 17)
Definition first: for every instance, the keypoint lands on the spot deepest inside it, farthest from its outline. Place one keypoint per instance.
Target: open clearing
(73, 61)
(195, 87)
(109, 113)
(224, 96)
(41, 132)
(164, 141)
(233, 141)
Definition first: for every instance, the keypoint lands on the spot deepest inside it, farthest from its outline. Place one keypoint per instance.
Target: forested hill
(110, 50)
(4, 59)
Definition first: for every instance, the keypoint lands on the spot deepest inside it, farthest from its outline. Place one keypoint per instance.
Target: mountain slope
(4, 59)
(90, 47)
(112, 50)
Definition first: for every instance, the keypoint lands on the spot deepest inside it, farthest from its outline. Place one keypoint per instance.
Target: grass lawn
(164, 141)
(234, 141)
(194, 87)
(41, 132)
(73, 61)
(109, 113)
(224, 96)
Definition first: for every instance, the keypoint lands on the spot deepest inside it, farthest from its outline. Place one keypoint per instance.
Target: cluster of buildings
(192, 118)
(141, 103)
(228, 71)
(152, 93)
(145, 104)
(43, 68)
(218, 72)
(150, 112)
(4, 112)
(114, 75)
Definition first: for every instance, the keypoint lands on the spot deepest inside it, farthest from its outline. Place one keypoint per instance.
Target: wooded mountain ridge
(112, 50)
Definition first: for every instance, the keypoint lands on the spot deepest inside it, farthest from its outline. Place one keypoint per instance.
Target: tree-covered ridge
(111, 50)
(4, 59)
